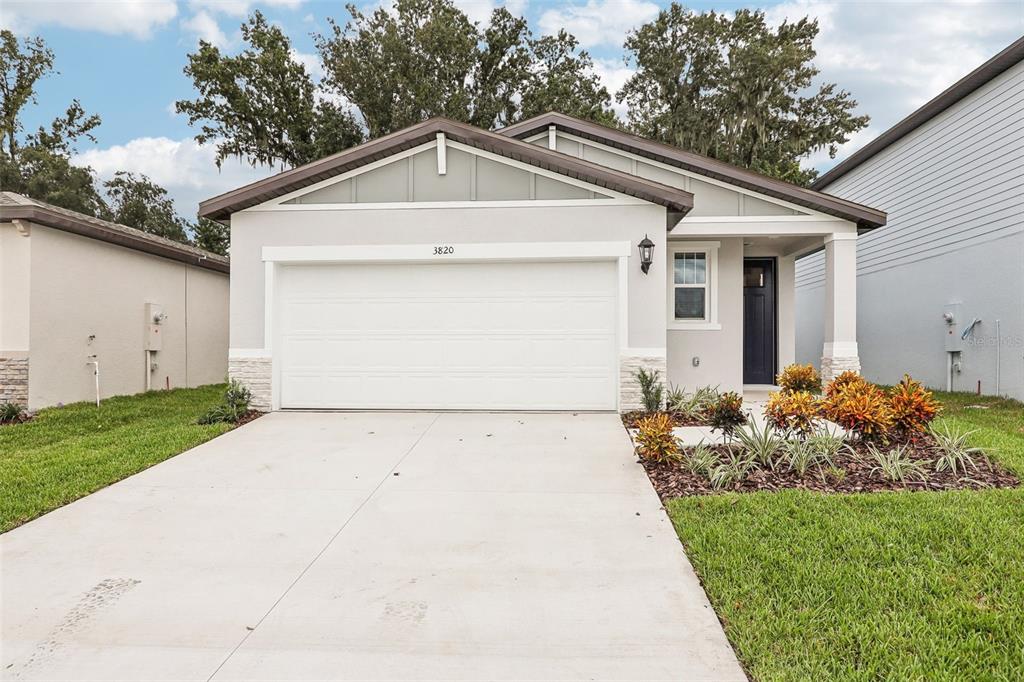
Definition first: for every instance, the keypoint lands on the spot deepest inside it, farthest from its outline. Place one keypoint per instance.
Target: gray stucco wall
(954, 193)
(83, 287)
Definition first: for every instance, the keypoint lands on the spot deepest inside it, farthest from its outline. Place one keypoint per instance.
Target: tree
(734, 89)
(261, 105)
(212, 236)
(38, 164)
(140, 203)
(564, 80)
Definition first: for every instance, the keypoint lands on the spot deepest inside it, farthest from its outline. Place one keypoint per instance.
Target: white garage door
(510, 336)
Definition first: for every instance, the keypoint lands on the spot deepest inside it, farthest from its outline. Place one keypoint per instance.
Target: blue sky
(124, 61)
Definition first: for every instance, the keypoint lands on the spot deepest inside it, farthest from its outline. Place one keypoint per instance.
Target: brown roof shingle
(15, 206)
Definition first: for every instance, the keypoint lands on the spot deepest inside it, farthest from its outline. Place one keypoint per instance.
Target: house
(941, 289)
(82, 295)
(536, 268)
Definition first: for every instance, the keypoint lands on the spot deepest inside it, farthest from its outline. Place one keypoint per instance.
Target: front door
(759, 320)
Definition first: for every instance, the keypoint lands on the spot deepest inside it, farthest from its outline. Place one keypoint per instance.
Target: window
(692, 285)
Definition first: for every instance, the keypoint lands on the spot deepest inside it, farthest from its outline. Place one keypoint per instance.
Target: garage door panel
(455, 336)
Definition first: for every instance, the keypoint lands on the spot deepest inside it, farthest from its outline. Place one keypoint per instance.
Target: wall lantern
(646, 254)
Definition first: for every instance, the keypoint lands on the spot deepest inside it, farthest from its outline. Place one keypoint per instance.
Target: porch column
(840, 352)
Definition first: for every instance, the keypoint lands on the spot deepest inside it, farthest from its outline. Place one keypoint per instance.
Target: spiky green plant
(700, 459)
(763, 443)
(651, 389)
(895, 464)
(956, 456)
(732, 469)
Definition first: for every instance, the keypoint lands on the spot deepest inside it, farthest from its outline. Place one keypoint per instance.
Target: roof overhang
(93, 228)
(866, 218)
(677, 202)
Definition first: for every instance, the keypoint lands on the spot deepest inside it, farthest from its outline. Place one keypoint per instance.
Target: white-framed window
(693, 285)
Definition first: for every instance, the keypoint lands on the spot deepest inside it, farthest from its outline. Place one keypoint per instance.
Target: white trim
(761, 226)
(710, 251)
(280, 203)
(767, 219)
(459, 252)
(803, 210)
(268, 299)
(248, 353)
(840, 237)
(552, 138)
(442, 155)
(645, 352)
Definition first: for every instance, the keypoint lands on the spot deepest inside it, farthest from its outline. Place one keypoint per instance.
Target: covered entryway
(493, 335)
(759, 316)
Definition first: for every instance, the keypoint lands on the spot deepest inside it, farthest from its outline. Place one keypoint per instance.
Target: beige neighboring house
(536, 268)
(77, 292)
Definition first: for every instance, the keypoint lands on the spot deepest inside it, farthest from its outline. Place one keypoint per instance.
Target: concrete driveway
(330, 546)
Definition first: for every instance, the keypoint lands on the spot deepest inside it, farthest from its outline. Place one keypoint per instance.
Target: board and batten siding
(954, 192)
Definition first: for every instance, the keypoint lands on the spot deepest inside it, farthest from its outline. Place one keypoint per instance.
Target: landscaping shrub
(700, 459)
(655, 440)
(235, 405)
(895, 464)
(726, 413)
(956, 456)
(764, 444)
(843, 381)
(860, 407)
(651, 389)
(11, 413)
(733, 469)
(795, 412)
(913, 408)
(691, 406)
(799, 378)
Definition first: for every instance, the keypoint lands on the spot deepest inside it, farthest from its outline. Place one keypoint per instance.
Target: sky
(124, 61)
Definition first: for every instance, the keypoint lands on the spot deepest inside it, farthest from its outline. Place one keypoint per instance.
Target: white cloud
(614, 74)
(311, 61)
(239, 8)
(205, 27)
(599, 22)
(894, 57)
(186, 170)
(137, 18)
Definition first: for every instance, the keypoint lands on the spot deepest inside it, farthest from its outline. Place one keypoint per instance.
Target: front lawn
(68, 452)
(898, 585)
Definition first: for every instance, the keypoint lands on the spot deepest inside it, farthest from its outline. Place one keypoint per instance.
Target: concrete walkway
(355, 546)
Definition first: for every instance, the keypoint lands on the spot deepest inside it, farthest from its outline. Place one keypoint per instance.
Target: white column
(840, 352)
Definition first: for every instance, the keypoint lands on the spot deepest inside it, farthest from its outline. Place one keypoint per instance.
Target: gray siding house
(941, 289)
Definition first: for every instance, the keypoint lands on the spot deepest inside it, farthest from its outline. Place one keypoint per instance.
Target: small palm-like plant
(651, 389)
(956, 456)
(700, 459)
(762, 443)
(895, 464)
(829, 442)
(802, 455)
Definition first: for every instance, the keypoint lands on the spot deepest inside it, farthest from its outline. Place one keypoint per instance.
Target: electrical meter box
(951, 315)
(154, 320)
(954, 344)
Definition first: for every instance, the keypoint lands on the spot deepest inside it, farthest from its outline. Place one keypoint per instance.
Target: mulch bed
(672, 479)
(249, 416)
(629, 419)
(21, 419)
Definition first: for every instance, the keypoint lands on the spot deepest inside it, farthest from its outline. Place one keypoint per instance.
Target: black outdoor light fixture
(646, 247)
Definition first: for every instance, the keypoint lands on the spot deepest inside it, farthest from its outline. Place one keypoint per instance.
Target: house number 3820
(444, 250)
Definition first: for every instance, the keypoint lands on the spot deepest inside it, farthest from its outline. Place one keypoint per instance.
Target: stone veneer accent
(630, 397)
(831, 367)
(254, 374)
(14, 380)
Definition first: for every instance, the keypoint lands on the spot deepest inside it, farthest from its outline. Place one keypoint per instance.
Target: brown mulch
(672, 479)
(629, 419)
(249, 416)
(21, 419)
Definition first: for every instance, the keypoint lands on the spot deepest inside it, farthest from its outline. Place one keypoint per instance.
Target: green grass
(873, 586)
(68, 452)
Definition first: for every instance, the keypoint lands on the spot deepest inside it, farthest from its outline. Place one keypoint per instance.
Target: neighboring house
(941, 289)
(77, 291)
(445, 266)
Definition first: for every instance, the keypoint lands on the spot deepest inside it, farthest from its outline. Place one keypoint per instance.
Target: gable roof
(866, 218)
(15, 206)
(994, 67)
(221, 207)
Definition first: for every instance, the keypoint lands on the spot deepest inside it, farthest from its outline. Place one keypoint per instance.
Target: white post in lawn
(840, 352)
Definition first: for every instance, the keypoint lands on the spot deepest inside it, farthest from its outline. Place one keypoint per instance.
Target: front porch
(731, 286)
